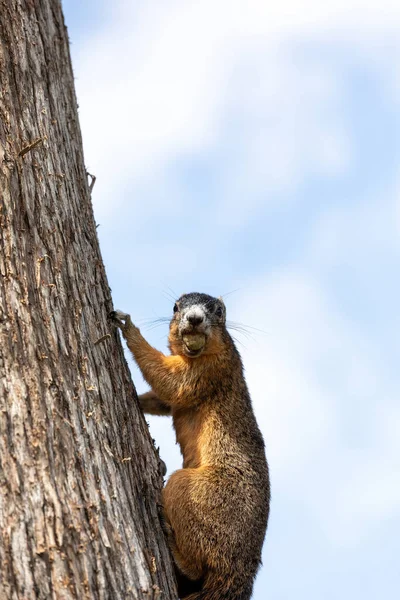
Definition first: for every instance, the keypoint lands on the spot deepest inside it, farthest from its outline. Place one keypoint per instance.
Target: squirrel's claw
(119, 318)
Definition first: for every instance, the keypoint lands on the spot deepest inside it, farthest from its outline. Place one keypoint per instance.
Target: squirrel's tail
(223, 590)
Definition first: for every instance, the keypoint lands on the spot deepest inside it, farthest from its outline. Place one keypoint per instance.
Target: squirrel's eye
(219, 312)
(176, 308)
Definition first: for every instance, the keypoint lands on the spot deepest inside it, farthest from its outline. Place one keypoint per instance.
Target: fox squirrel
(215, 509)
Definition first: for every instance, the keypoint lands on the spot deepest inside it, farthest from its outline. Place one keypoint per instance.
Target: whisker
(238, 328)
(151, 326)
(168, 296)
(246, 334)
(169, 293)
(234, 327)
(151, 320)
(241, 329)
(161, 320)
(239, 342)
(231, 292)
(246, 327)
(175, 295)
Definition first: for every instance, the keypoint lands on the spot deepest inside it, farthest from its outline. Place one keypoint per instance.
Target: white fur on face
(196, 310)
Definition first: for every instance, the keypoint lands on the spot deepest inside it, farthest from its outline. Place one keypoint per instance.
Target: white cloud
(317, 383)
(289, 401)
(156, 83)
(396, 206)
(290, 128)
(357, 234)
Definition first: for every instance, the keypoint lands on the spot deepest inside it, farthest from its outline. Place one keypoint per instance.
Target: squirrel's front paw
(120, 319)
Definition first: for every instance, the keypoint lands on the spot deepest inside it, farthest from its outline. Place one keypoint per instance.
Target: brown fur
(216, 507)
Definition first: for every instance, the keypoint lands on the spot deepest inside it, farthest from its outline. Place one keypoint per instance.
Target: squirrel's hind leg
(184, 534)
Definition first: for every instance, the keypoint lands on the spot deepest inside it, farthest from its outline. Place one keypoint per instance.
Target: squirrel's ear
(221, 300)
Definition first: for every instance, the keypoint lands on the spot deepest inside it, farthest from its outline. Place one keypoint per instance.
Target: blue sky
(255, 147)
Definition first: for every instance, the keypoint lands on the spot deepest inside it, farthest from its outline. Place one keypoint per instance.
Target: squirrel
(216, 508)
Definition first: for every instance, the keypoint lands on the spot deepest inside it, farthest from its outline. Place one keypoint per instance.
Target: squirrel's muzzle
(194, 329)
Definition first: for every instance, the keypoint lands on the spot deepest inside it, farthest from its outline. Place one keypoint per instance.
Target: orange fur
(216, 507)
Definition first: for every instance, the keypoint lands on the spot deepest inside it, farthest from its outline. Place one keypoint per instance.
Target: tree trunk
(79, 476)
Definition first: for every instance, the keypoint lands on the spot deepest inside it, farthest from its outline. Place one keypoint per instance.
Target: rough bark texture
(79, 476)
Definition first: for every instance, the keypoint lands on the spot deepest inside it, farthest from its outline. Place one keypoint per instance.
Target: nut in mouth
(194, 343)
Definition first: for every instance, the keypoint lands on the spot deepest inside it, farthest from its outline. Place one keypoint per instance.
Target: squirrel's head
(197, 326)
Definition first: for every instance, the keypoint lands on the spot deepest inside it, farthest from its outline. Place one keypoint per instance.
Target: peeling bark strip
(79, 477)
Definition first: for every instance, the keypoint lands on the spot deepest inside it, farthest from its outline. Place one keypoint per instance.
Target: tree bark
(79, 475)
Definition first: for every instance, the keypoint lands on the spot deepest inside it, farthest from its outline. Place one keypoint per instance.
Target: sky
(252, 149)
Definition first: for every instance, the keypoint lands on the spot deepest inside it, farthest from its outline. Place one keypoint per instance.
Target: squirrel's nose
(195, 319)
